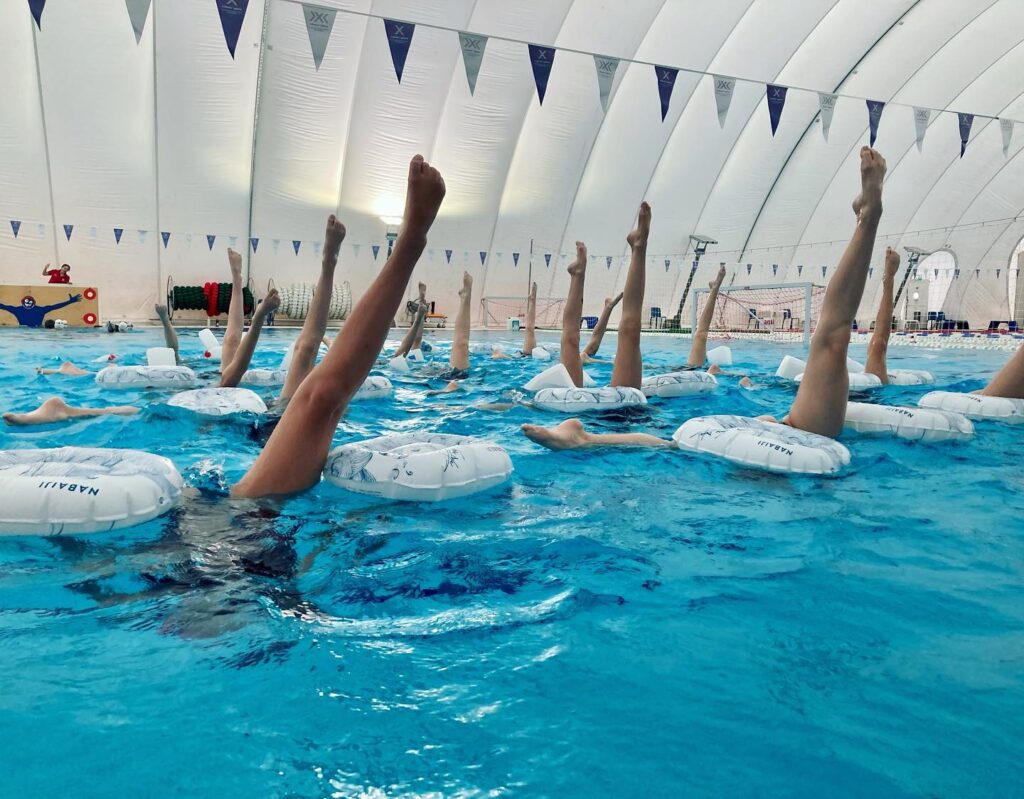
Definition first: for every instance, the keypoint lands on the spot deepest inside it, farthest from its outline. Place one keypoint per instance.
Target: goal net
(496, 311)
(781, 310)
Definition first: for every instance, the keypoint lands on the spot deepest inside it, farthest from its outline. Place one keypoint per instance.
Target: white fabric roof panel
(159, 136)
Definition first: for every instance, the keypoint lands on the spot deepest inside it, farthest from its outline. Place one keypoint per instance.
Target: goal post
(788, 310)
(496, 311)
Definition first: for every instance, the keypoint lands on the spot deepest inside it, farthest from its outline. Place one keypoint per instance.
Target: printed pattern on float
(910, 377)
(264, 377)
(374, 387)
(587, 400)
(146, 377)
(218, 401)
(426, 467)
(976, 406)
(766, 445)
(74, 490)
(679, 384)
(913, 424)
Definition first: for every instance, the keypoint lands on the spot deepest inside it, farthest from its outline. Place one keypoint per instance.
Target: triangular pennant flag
(483, 257)
(666, 83)
(355, 250)
(723, 96)
(936, 271)
(210, 239)
(254, 243)
(232, 15)
(997, 273)
(542, 59)
(92, 232)
(776, 102)
(233, 241)
(826, 106)
(67, 231)
(41, 229)
(799, 270)
(448, 255)
(515, 259)
(473, 45)
(775, 269)
(956, 274)
(376, 251)
(824, 269)
(608, 261)
(966, 120)
(606, 67)
(319, 24)
(1006, 126)
(276, 243)
(296, 245)
(316, 247)
(166, 236)
(118, 232)
(15, 226)
(749, 268)
(871, 271)
(547, 259)
(142, 236)
(977, 273)
(36, 7)
(668, 263)
(875, 108)
(399, 40)
(921, 117)
(138, 10)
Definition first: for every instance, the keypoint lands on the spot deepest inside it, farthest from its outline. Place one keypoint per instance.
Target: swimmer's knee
(629, 326)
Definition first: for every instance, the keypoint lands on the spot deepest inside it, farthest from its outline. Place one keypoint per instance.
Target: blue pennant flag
(668, 263)
(542, 59)
(966, 120)
(871, 271)
(997, 273)
(67, 231)
(36, 6)
(448, 255)
(255, 242)
(399, 40)
(210, 239)
(824, 269)
(483, 257)
(875, 108)
(547, 259)
(776, 101)
(977, 273)
(376, 249)
(515, 259)
(799, 270)
(936, 271)
(232, 15)
(749, 268)
(608, 261)
(15, 226)
(775, 269)
(118, 232)
(166, 237)
(956, 274)
(296, 245)
(666, 83)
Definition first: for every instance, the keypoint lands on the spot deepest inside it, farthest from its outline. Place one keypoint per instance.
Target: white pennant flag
(723, 96)
(1006, 126)
(319, 24)
(138, 10)
(921, 117)
(827, 106)
(606, 67)
(473, 45)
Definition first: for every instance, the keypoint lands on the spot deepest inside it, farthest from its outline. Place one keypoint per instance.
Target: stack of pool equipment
(295, 300)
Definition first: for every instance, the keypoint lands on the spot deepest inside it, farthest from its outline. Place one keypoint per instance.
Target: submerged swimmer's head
(28, 302)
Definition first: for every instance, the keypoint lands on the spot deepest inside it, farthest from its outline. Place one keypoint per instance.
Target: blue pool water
(618, 623)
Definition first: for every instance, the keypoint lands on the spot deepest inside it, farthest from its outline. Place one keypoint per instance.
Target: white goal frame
(808, 290)
(489, 320)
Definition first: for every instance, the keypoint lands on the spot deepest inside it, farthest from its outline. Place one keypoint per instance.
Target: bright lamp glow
(917, 295)
(391, 220)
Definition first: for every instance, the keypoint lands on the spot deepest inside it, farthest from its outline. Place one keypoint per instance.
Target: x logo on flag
(318, 18)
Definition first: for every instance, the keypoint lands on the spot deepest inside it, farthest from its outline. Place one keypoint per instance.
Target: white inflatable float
(913, 424)
(976, 406)
(765, 445)
(678, 384)
(588, 400)
(720, 356)
(218, 401)
(264, 377)
(557, 376)
(910, 377)
(859, 381)
(374, 387)
(418, 467)
(79, 490)
(540, 354)
(793, 368)
(121, 377)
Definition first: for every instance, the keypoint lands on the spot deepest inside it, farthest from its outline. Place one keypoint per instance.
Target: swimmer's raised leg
(415, 331)
(170, 334)
(314, 327)
(699, 347)
(231, 375)
(418, 341)
(459, 359)
(530, 337)
(571, 434)
(57, 410)
(1009, 381)
(236, 312)
(878, 347)
(820, 405)
(67, 369)
(628, 369)
(296, 452)
(572, 314)
(600, 328)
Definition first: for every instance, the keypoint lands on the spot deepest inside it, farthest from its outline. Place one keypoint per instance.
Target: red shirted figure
(58, 276)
